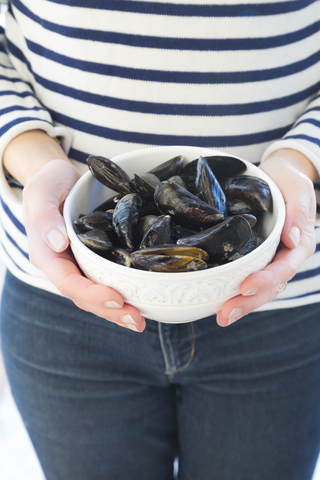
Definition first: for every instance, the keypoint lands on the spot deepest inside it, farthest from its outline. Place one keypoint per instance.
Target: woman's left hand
(294, 174)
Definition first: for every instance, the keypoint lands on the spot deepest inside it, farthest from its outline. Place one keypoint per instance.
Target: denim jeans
(104, 403)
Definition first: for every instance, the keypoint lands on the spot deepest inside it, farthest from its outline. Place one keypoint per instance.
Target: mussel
(96, 240)
(110, 174)
(222, 167)
(158, 232)
(208, 187)
(95, 220)
(222, 240)
(169, 258)
(126, 217)
(169, 168)
(185, 208)
(168, 263)
(145, 184)
(253, 190)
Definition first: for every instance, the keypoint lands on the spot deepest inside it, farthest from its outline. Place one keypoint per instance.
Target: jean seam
(193, 347)
(164, 349)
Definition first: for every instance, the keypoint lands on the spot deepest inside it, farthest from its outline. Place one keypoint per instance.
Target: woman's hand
(43, 197)
(294, 174)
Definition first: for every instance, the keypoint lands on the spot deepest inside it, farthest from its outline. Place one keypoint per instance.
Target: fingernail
(133, 327)
(251, 291)
(127, 320)
(234, 315)
(294, 235)
(112, 304)
(56, 239)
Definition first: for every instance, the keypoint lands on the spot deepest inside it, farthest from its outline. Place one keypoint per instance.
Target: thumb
(43, 199)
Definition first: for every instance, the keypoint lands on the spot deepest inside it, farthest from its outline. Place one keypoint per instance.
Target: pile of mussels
(177, 217)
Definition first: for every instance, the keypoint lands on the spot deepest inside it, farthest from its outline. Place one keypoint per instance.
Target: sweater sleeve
(304, 136)
(20, 110)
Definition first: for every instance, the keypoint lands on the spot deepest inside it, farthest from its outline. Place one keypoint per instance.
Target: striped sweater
(111, 76)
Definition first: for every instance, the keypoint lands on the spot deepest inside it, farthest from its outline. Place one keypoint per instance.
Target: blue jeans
(104, 403)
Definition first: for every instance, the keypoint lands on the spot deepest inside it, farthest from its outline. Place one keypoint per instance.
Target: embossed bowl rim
(87, 184)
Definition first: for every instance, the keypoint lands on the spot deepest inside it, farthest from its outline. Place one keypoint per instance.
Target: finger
(43, 200)
(283, 267)
(63, 272)
(127, 317)
(264, 286)
(238, 307)
(298, 193)
(300, 210)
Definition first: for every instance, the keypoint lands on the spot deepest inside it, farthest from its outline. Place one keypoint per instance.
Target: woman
(99, 401)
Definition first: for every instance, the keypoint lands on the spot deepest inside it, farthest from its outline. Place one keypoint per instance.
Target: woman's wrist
(29, 152)
(298, 160)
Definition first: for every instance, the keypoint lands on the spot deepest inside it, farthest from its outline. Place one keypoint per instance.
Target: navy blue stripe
(307, 274)
(193, 10)
(4, 93)
(14, 108)
(6, 66)
(173, 43)
(78, 155)
(9, 256)
(305, 137)
(13, 219)
(168, 108)
(297, 296)
(158, 139)
(16, 245)
(219, 110)
(312, 109)
(15, 122)
(174, 76)
(10, 79)
(311, 121)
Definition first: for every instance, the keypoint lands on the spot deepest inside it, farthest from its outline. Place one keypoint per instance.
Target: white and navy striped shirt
(110, 76)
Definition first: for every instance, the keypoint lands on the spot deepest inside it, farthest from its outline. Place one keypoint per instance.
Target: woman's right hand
(48, 245)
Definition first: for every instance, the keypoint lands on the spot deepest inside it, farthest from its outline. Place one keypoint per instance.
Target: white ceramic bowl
(170, 297)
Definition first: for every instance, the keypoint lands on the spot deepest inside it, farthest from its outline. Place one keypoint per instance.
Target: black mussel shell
(180, 232)
(126, 218)
(96, 240)
(173, 249)
(110, 174)
(95, 220)
(235, 206)
(225, 166)
(108, 204)
(253, 190)
(158, 232)
(168, 263)
(144, 223)
(145, 184)
(185, 208)
(120, 256)
(222, 166)
(251, 219)
(150, 208)
(208, 188)
(178, 180)
(223, 240)
(251, 245)
(169, 168)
